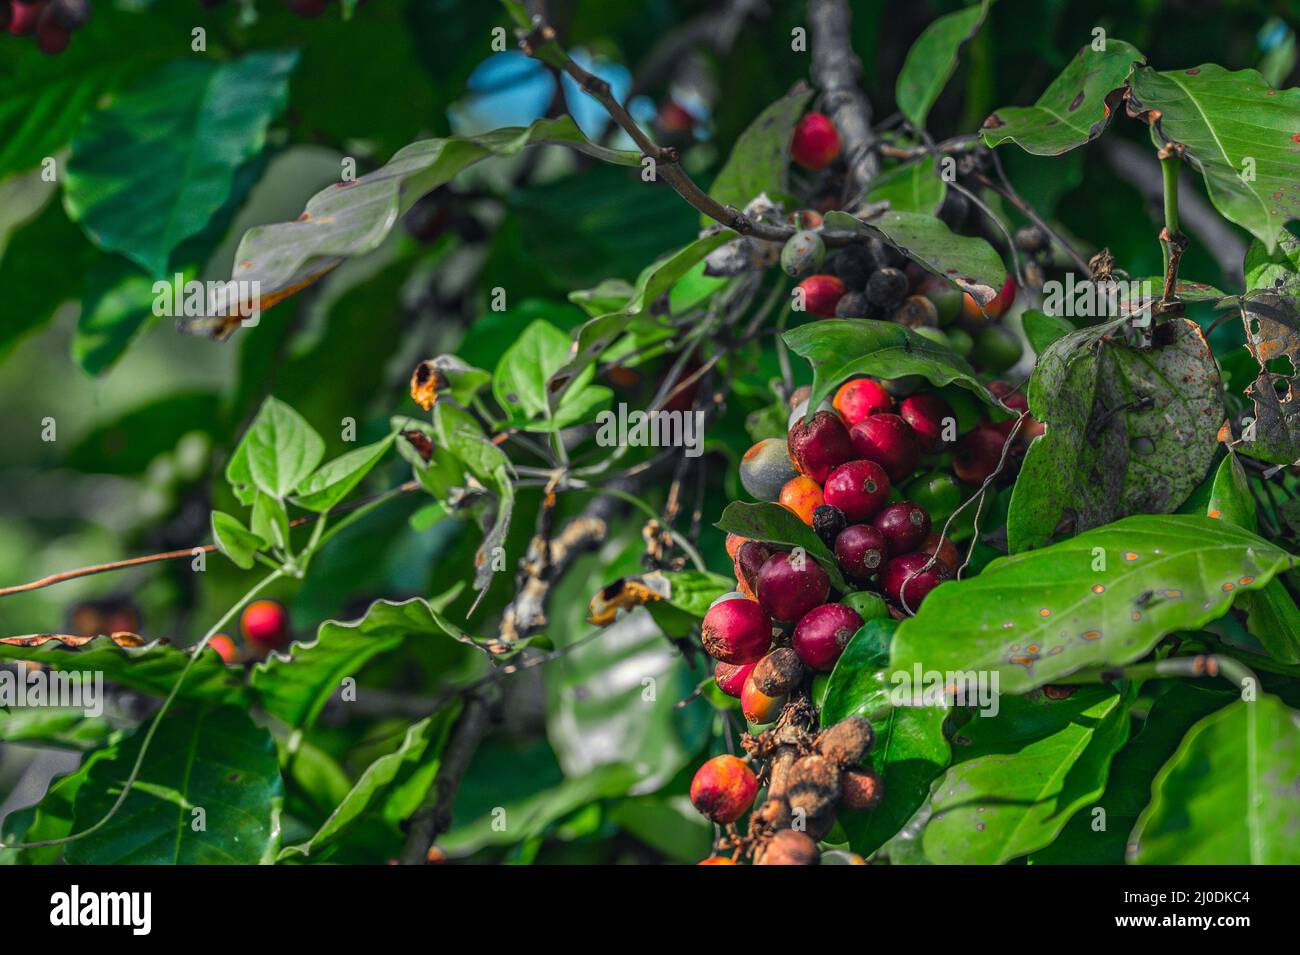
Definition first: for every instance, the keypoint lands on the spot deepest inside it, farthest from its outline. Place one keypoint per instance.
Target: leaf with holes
(968, 262)
(212, 759)
(1103, 598)
(352, 218)
(1242, 135)
(1230, 795)
(1074, 109)
(931, 61)
(1128, 431)
(840, 348)
(1016, 779)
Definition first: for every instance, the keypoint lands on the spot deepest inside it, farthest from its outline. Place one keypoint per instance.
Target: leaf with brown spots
(1237, 131)
(1104, 598)
(1074, 110)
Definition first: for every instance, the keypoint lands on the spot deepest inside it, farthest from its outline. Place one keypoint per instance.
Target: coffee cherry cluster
(50, 22)
(821, 774)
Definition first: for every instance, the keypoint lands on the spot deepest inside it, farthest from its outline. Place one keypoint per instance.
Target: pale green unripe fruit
(803, 254)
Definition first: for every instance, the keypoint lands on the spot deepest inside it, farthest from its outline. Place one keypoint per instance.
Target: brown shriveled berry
(779, 672)
(819, 824)
(916, 311)
(788, 847)
(814, 785)
(847, 742)
(860, 789)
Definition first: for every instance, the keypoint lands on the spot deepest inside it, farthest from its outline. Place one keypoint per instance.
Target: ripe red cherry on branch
(816, 143)
(860, 398)
(859, 489)
(25, 16)
(905, 525)
(823, 633)
(266, 625)
(225, 648)
(731, 677)
(861, 550)
(977, 455)
(819, 446)
(926, 413)
(788, 586)
(904, 575)
(821, 293)
(736, 631)
(723, 788)
(889, 441)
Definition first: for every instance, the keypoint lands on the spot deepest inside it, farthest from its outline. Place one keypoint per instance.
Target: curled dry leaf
(123, 638)
(625, 594)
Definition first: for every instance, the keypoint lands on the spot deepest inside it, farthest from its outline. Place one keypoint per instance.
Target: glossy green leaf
(334, 480)
(773, 524)
(1229, 795)
(421, 748)
(970, 263)
(58, 726)
(692, 591)
(153, 668)
(1042, 329)
(352, 218)
(857, 685)
(1238, 131)
(914, 187)
(1128, 431)
(208, 792)
(932, 59)
(157, 163)
(281, 449)
(1016, 779)
(1105, 597)
(51, 818)
(840, 348)
(1230, 497)
(235, 540)
(295, 685)
(1273, 617)
(1074, 109)
(760, 160)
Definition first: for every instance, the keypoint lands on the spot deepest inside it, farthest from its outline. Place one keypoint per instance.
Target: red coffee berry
(821, 293)
(308, 8)
(225, 648)
(266, 625)
(861, 550)
(723, 789)
(889, 441)
(789, 586)
(926, 412)
(860, 398)
(904, 524)
(907, 570)
(823, 633)
(819, 446)
(730, 677)
(24, 18)
(816, 142)
(942, 548)
(736, 631)
(977, 455)
(859, 489)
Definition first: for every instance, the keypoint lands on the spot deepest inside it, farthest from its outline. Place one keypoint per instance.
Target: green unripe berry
(997, 348)
(803, 254)
(959, 340)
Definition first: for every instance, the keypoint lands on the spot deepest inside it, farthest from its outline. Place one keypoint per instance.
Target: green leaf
(235, 540)
(1228, 796)
(153, 668)
(857, 685)
(932, 59)
(63, 727)
(352, 218)
(1273, 617)
(839, 348)
(460, 434)
(760, 160)
(270, 520)
(296, 685)
(968, 262)
(1074, 109)
(213, 759)
(280, 448)
(420, 750)
(773, 524)
(152, 168)
(1237, 131)
(1017, 779)
(1104, 598)
(117, 307)
(1042, 329)
(519, 381)
(334, 480)
(51, 818)
(1089, 839)
(1230, 497)
(1128, 431)
(693, 591)
(913, 187)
